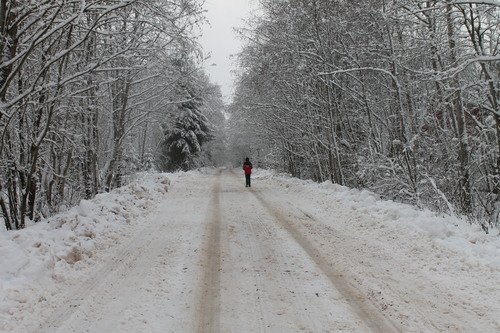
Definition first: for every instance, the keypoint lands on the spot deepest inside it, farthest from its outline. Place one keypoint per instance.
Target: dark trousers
(247, 177)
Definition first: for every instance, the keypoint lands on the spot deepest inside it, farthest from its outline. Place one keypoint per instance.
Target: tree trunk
(5, 211)
(459, 118)
(120, 96)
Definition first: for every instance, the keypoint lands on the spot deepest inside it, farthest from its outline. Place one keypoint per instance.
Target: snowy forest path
(256, 261)
(215, 256)
(219, 257)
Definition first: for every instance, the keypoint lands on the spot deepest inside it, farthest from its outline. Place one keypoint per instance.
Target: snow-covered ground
(39, 263)
(198, 252)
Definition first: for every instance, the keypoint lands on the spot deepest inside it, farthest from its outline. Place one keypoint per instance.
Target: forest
(94, 91)
(400, 97)
(395, 96)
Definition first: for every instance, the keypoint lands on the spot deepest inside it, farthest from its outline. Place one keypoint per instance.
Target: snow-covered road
(222, 259)
(277, 257)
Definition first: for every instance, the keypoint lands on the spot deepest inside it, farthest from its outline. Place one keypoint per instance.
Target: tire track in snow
(208, 310)
(366, 311)
(255, 252)
(279, 278)
(302, 319)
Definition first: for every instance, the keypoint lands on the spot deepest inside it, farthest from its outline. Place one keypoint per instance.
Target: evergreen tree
(183, 141)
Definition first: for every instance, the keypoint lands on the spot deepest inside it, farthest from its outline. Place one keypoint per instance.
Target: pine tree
(183, 142)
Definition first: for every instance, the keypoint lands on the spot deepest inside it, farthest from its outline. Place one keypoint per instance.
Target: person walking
(247, 168)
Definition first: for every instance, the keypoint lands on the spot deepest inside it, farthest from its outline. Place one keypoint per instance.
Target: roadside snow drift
(467, 240)
(35, 260)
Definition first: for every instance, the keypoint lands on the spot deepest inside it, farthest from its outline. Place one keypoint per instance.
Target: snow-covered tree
(78, 82)
(397, 96)
(184, 139)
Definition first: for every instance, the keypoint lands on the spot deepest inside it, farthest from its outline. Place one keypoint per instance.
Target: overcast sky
(220, 40)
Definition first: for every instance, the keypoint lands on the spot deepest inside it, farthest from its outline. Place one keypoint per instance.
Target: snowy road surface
(219, 257)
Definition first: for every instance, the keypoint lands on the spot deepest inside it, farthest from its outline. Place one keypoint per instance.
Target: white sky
(219, 39)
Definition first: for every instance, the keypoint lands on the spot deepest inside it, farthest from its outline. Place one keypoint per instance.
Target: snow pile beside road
(37, 258)
(451, 232)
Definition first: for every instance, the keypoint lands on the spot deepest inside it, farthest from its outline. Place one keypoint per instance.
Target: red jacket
(247, 167)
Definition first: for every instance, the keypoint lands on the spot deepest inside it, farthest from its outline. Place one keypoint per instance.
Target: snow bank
(453, 233)
(59, 248)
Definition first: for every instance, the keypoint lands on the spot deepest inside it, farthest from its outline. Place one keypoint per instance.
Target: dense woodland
(93, 91)
(401, 97)
(398, 96)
